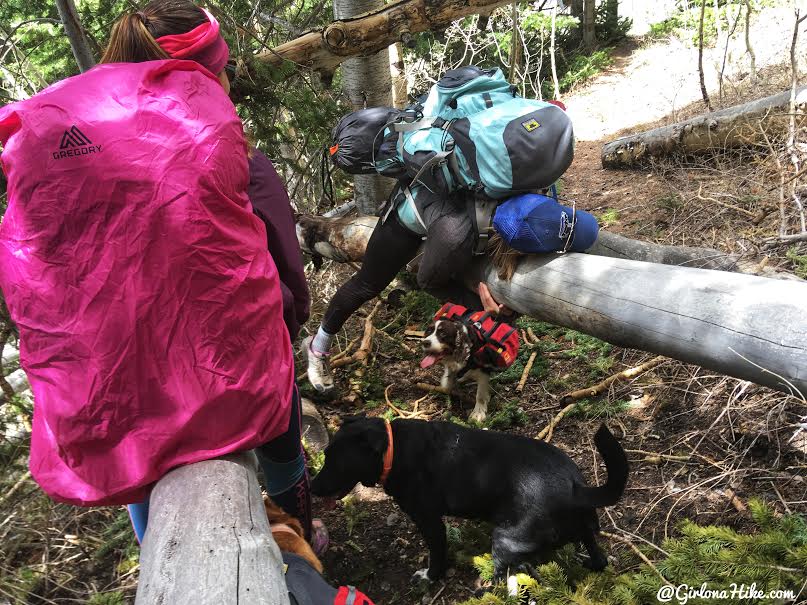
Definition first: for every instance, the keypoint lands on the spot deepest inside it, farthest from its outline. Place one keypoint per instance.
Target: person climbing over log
(149, 305)
(393, 244)
(463, 148)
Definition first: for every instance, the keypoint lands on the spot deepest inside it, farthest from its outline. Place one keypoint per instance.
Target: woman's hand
(489, 303)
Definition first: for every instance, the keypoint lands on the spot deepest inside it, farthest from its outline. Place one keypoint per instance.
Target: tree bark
(555, 84)
(748, 47)
(208, 540)
(367, 82)
(731, 127)
(576, 10)
(710, 318)
(400, 93)
(75, 34)
(704, 94)
(589, 38)
(325, 49)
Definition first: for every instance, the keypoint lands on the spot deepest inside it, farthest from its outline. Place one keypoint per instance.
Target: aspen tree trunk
(75, 34)
(589, 39)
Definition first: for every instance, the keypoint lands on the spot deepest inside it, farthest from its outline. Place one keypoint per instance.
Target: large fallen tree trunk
(208, 540)
(344, 239)
(731, 127)
(745, 326)
(324, 49)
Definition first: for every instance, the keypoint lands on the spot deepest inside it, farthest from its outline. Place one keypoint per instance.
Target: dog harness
(495, 342)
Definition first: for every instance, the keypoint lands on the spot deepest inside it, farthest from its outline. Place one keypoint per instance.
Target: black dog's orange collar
(387, 455)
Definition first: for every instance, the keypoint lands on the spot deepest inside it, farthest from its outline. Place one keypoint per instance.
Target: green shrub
(773, 556)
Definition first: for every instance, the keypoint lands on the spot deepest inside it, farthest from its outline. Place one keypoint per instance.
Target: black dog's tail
(617, 465)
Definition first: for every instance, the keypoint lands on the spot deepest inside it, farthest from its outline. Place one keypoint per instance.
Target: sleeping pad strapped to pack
(149, 309)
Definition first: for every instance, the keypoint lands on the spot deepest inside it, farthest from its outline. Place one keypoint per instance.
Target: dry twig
(736, 502)
(597, 389)
(638, 552)
(362, 355)
(526, 372)
(547, 431)
(415, 413)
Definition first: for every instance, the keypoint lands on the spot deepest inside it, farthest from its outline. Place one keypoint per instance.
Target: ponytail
(133, 37)
(131, 42)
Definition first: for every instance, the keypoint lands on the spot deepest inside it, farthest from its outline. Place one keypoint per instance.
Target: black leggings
(391, 246)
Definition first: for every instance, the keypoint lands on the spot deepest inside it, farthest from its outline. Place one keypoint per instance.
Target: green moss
(599, 408)
(608, 217)
(107, 598)
(514, 372)
(799, 261)
(509, 415)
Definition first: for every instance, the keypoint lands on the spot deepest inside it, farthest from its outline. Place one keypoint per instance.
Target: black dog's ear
(350, 419)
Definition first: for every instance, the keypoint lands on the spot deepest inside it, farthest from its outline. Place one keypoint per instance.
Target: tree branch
(325, 49)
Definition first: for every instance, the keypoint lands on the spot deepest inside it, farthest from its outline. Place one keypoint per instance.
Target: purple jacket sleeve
(271, 203)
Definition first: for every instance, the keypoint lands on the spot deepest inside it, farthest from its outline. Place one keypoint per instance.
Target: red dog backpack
(498, 341)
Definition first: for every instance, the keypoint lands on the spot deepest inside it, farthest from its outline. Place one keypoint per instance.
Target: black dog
(531, 491)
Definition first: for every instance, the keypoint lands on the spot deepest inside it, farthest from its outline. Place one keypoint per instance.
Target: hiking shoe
(319, 370)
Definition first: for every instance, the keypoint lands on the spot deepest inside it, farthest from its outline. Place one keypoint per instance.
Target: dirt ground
(740, 438)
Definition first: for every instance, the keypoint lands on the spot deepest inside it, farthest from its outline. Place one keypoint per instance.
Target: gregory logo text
(75, 143)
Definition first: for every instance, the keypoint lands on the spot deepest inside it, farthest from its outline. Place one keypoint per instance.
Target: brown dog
(288, 533)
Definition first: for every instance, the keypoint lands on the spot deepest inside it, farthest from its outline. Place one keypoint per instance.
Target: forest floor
(733, 440)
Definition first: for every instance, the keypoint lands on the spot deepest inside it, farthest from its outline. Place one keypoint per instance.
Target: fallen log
(324, 49)
(731, 127)
(344, 239)
(749, 327)
(208, 540)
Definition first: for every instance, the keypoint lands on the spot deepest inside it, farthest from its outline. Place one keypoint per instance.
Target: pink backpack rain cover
(149, 309)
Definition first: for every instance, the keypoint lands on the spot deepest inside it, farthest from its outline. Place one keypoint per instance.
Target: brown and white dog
(452, 345)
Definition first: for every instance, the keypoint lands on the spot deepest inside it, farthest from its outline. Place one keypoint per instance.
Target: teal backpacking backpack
(473, 132)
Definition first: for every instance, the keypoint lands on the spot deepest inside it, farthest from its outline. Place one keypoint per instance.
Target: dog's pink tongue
(429, 360)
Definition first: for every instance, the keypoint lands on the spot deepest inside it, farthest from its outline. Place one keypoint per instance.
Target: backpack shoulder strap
(482, 217)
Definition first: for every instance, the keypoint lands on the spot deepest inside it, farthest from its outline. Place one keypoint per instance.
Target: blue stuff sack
(535, 224)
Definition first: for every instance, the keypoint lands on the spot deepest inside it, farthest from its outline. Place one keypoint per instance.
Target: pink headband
(202, 44)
